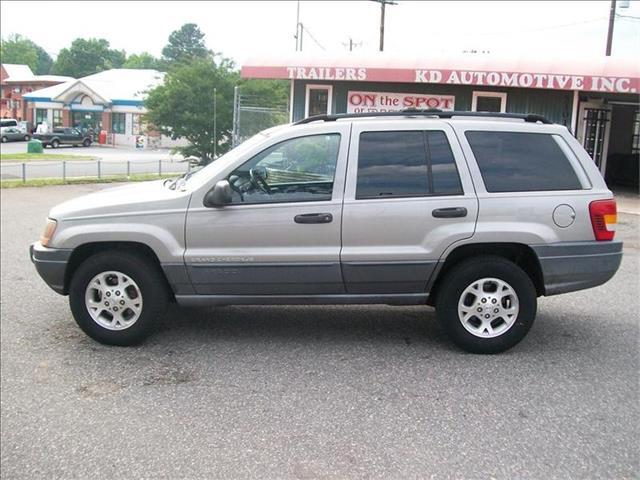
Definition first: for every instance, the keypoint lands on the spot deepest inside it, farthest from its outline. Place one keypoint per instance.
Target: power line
(627, 16)
(313, 38)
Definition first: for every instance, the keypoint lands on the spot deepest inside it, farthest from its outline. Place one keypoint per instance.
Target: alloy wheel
(488, 307)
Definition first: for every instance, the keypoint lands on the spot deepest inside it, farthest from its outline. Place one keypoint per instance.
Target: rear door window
(521, 162)
(406, 164)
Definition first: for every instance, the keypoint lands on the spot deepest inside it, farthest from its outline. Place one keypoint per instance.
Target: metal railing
(70, 169)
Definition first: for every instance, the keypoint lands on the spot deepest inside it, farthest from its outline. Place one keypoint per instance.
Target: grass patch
(30, 157)
(44, 182)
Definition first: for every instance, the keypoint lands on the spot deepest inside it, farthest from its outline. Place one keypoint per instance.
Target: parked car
(10, 134)
(476, 216)
(6, 123)
(63, 136)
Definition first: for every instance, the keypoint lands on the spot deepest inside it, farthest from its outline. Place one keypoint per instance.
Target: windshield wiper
(180, 180)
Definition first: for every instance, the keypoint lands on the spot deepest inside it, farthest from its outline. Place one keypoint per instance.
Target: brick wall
(106, 121)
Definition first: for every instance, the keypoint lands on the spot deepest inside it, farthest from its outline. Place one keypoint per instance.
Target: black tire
(55, 143)
(86, 142)
(5, 139)
(461, 277)
(148, 277)
(27, 138)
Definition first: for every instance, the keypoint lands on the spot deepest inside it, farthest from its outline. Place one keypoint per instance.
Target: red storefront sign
(366, 102)
(497, 78)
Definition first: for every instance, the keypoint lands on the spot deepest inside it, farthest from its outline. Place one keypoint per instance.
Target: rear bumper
(571, 266)
(51, 264)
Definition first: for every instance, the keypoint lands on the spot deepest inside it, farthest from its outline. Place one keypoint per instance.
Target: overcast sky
(245, 29)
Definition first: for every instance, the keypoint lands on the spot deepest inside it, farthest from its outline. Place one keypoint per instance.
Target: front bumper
(51, 264)
(571, 266)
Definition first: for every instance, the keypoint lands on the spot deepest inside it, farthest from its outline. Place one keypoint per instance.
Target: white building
(111, 101)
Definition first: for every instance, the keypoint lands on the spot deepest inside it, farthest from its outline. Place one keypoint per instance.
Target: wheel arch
(518, 253)
(86, 250)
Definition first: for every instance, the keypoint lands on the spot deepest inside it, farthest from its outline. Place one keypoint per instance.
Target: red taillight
(604, 217)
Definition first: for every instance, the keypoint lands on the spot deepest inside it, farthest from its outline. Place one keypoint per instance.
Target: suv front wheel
(486, 304)
(116, 297)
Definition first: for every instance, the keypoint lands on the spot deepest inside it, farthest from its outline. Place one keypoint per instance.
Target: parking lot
(313, 392)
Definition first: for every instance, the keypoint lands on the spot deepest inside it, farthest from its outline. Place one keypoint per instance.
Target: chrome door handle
(313, 218)
(450, 212)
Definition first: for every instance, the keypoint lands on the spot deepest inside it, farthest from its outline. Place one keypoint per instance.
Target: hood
(130, 199)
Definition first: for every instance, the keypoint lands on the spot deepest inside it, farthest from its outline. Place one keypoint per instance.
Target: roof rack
(532, 118)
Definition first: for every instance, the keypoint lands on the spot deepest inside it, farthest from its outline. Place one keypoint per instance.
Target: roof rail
(532, 118)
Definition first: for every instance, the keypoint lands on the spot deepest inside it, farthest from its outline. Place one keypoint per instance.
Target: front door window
(297, 170)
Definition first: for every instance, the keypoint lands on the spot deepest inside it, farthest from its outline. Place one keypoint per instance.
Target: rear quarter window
(521, 162)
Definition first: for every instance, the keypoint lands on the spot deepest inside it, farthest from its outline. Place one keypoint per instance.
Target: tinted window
(406, 164)
(392, 164)
(446, 180)
(518, 162)
(296, 170)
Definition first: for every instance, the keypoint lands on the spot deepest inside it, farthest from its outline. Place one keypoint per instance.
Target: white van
(8, 123)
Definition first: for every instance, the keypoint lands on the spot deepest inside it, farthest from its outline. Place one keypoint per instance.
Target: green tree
(182, 107)
(44, 63)
(185, 44)
(143, 60)
(85, 57)
(19, 50)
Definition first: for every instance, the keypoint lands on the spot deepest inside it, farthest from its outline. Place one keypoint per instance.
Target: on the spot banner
(367, 102)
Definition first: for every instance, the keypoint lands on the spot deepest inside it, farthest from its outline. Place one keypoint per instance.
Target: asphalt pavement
(313, 392)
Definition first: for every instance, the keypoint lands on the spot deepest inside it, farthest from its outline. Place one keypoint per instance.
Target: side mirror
(219, 195)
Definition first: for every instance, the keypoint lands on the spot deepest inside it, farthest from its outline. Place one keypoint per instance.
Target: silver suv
(475, 214)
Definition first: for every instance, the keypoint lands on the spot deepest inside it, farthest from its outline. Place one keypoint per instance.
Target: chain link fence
(252, 114)
(94, 169)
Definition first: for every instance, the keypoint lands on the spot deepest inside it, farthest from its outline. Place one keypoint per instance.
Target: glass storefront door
(87, 122)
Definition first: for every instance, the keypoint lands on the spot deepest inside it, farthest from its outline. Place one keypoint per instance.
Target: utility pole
(383, 4)
(236, 116)
(215, 126)
(299, 30)
(352, 44)
(612, 17)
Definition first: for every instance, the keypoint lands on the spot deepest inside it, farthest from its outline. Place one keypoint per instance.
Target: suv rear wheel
(486, 304)
(116, 298)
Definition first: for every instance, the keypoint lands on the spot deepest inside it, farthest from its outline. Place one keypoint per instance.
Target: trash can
(102, 137)
(34, 146)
